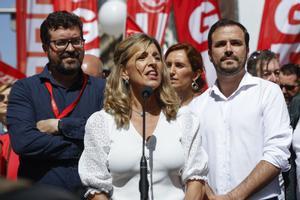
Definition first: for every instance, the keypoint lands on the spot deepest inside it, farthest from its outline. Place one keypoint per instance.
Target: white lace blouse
(110, 161)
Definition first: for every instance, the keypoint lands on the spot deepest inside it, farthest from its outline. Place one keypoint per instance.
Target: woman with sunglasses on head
(264, 64)
(9, 160)
(110, 163)
(186, 71)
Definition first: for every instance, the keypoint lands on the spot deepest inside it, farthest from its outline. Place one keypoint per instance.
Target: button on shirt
(250, 125)
(47, 158)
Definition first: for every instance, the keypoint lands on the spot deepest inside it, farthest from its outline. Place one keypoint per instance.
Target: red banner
(193, 20)
(87, 10)
(30, 15)
(131, 27)
(280, 29)
(151, 15)
(8, 74)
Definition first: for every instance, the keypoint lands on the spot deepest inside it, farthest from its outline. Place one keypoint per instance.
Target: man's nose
(273, 77)
(70, 47)
(228, 49)
(283, 90)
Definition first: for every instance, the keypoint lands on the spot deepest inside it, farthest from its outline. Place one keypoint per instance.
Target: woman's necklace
(140, 113)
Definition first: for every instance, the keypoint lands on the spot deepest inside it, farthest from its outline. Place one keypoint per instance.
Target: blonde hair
(4, 87)
(118, 98)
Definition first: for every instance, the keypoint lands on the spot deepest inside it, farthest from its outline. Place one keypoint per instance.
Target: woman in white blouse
(110, 163)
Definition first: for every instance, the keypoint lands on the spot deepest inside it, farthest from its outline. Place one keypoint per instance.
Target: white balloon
(112, 17)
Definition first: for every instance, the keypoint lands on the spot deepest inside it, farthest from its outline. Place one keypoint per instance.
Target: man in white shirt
(243, 120)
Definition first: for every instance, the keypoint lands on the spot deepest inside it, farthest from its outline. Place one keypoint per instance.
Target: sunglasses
(2, 97)
(261, 53)
(255, 55)
(287, 87)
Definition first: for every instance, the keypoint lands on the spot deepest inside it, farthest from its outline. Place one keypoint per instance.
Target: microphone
(147, 92)
(144, 183)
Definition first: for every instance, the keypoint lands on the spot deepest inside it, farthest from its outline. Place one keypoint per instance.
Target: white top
(237, 132)
(296, 147)
(111, 157)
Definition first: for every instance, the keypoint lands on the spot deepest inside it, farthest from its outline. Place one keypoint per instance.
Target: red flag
(280, 29)
(131, 27)
(151, 15)
(87, 10)
(193, 20)
(30, 14)
(8, 74)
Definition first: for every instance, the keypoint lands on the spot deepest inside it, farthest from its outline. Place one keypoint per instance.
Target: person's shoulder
(265, 85)
(101, 114)
(97, 81)
(31, 81)
(201, 98)
(198, 103)
(296, 98)
(100, 119)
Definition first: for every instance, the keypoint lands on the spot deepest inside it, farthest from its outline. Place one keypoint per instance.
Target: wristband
(59, 126)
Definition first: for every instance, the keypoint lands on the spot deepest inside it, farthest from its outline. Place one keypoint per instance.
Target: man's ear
(45, 48)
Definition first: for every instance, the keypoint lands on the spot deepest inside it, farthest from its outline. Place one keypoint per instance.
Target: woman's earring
(126, 82)
(195, 86)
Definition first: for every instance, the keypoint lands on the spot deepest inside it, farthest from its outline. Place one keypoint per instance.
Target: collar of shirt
(46, 75)
(247, 81)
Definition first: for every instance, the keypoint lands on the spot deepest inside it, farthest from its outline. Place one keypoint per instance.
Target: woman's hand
(195, 190)
(98, 196)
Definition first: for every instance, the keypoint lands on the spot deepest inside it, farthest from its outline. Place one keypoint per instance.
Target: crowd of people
(75, 135)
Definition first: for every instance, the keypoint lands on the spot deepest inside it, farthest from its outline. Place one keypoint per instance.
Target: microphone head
(147, 92)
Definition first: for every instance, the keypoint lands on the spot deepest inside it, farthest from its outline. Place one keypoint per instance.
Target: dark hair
(290, 69)
(56, 20)
(193, 55)
(259, 56)
(194, 58)
(223, 23)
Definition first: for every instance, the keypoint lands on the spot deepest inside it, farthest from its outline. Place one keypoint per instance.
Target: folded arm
(28, 136)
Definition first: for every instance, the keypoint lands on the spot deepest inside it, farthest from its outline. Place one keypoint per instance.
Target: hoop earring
(195, 86)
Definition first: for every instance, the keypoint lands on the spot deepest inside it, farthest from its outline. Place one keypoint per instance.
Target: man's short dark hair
(290, 69)
(56, 20)
(227, 22)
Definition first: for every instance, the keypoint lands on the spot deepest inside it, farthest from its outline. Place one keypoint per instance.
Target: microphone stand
(144, 184)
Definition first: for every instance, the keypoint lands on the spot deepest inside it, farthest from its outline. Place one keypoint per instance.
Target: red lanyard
(70, 107)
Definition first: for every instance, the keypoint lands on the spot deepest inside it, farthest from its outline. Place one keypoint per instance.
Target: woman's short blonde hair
(118, 99)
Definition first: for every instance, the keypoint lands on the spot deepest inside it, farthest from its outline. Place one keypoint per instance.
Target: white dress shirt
(111, 157)
(237, 132)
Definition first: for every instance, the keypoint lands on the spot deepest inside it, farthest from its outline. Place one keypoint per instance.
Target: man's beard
(229, 71)
(67, 71)
(63, 69)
